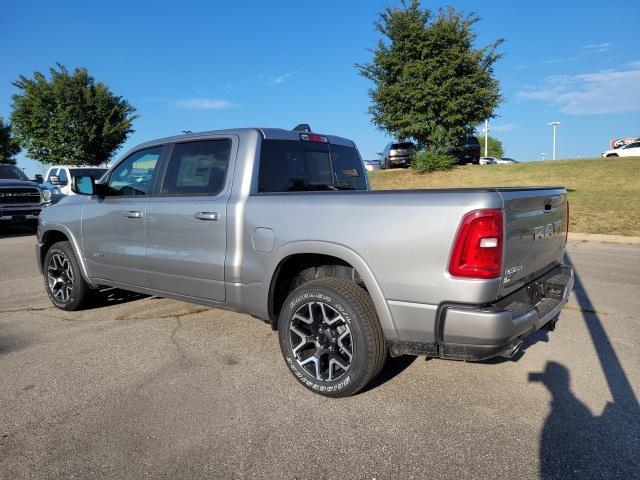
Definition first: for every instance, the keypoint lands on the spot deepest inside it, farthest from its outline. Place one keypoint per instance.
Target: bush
(430, 161)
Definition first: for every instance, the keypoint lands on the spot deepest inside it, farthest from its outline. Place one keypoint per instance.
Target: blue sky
(207, 65)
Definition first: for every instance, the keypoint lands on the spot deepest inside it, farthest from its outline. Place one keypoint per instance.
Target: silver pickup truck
(282, 225)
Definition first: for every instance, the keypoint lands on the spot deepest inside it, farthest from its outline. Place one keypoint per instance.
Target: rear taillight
(566, 233)
(477, 251)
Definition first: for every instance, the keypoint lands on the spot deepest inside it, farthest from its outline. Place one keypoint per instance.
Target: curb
(597, 237)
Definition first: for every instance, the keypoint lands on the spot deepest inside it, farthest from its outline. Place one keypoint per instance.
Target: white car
(488, 160)
(371, 165)
(59, 178)
(505, 161)
(629, 150)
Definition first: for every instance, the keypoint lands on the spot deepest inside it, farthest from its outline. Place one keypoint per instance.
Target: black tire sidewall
(79, 290)
(352, 380)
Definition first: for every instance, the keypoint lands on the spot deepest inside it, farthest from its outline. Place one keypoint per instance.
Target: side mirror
(86, 185)
(55, 180)
(82, 185)
(38, 178)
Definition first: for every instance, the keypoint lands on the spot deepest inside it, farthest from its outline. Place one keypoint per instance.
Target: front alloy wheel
(63, 279)
(60, 277)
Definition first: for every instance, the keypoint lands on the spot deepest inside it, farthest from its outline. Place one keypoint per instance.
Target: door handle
(133, 214)
(211, 216)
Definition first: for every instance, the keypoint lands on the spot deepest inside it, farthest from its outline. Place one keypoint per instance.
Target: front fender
(48, 229)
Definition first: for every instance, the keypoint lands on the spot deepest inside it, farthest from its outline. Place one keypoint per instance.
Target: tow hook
(550, 326)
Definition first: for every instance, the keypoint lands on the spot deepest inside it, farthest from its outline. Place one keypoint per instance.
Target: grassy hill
(604, 193)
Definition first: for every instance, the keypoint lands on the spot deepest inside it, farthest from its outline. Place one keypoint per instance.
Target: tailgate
(535, 234)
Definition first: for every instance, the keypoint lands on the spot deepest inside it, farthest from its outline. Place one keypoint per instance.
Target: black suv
(469, 152)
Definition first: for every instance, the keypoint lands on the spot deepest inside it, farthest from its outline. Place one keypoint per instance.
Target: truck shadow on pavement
(393, 367)
(10, 343)
(18, 229)
(576, 444)
(108, 297)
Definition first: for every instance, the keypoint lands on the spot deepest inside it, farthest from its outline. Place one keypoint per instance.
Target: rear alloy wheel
(330, 337)
(63, 280)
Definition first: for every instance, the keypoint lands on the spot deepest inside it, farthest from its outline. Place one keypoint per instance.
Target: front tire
(330, 337)
(63, 279)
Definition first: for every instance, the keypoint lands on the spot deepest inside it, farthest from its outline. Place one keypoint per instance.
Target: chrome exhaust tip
(512, 350)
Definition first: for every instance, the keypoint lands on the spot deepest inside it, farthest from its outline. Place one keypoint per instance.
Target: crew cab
(20, 198)
(282, 225)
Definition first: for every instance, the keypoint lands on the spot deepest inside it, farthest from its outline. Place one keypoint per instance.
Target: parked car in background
(629, 150)
(283, 225)
(371, 165)
(59, 178)
(505, 161)
(488, 161)
(468, 152)
(397, 154)
(20, 198)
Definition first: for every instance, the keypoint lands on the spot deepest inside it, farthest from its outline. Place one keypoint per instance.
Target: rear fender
(347, 255)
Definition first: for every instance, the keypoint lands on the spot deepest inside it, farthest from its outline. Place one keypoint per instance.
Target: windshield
(293, 166)
(9, 172)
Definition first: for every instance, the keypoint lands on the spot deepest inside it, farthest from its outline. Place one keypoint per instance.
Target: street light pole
(554, 125)
(486, 138)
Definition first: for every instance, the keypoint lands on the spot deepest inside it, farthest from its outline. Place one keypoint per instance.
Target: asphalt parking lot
(143, 387)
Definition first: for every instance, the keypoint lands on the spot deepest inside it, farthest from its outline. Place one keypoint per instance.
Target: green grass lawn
(604, 194)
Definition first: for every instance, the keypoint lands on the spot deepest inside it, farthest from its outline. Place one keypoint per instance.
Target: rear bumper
(400, 160)
(468, 332)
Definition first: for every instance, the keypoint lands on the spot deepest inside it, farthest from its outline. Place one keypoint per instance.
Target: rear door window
(293, 166)
(197, 168)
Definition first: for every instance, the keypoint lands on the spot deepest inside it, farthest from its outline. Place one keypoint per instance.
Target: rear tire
(330, 337)
(63, 278)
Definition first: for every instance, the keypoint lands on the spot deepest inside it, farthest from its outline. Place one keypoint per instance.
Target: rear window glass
(294, 166)
(404, 145)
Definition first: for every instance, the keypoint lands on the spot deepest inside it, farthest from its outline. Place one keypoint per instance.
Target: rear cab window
(296, 166)
(402, 146)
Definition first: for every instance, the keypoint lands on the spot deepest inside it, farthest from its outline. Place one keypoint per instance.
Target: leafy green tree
(69, 119)
(495, 147)
(430, 83)
(9, 147)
